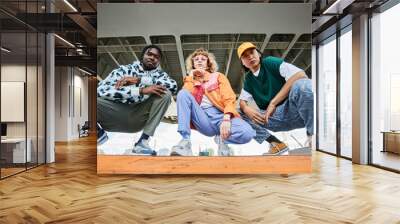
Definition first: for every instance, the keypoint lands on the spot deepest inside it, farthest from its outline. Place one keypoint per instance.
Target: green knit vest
(267, 84)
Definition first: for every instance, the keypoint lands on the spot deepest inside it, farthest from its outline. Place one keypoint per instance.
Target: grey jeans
(130, 118)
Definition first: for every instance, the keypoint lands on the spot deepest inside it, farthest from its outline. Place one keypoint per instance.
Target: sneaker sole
(141, 154)
(175, 154)
(153, 153)
(102, 139)
(226, 155)
(277, 153)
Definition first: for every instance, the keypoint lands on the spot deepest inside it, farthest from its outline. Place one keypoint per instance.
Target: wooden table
(391, 141)
(13, 150)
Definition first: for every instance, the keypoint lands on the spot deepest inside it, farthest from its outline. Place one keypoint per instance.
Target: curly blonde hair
(212, 65)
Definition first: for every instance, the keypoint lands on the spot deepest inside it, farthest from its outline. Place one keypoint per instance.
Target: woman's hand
(198, 74)
(225, 128)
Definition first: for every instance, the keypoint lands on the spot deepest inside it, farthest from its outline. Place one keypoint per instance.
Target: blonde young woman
(207, 103)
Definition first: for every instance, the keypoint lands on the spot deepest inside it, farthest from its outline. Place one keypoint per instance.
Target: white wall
(70, 83)
(80, 98)
(61, 103)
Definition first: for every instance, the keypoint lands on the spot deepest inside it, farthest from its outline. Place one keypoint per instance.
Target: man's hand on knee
(254, 115)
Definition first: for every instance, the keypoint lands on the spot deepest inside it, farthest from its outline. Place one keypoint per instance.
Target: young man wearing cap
(283, 94)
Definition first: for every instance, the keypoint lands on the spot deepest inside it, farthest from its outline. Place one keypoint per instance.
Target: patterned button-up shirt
(130, 94)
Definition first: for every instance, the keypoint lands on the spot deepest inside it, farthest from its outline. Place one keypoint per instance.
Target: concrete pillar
(360, 90)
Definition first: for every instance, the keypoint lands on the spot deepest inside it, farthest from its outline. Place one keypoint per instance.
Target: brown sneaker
(277, 148)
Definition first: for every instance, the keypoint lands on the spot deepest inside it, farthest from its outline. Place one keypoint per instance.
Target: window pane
(385, 84)
(327, 96)
(345, 94)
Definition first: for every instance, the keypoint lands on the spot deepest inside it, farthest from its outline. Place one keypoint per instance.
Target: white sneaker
(183, 148)
(143, 148)
(223, 149)
(308, 142)
(163, 152)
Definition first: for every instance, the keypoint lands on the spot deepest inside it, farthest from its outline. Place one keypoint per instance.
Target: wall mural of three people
(253, 113)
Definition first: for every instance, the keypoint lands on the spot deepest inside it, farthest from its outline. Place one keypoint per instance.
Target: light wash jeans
(208, 120)
(297, 111)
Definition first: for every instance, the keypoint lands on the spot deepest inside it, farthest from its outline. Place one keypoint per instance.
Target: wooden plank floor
(10, 171)
(70, 191)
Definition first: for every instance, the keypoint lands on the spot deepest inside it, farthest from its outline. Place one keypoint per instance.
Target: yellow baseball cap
(243, 47)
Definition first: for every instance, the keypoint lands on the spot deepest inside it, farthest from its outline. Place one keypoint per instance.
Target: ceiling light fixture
(332, 9)
(70, 5)
(86, 72)
(65, 41)
(5, 49)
